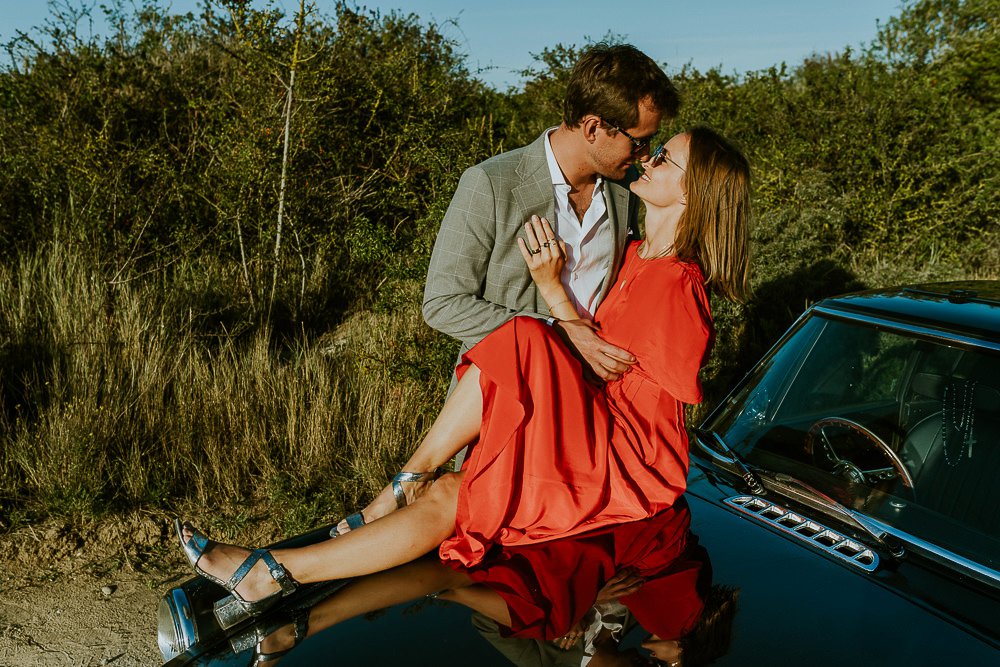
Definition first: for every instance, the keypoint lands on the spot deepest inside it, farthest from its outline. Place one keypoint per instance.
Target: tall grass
(117, 396)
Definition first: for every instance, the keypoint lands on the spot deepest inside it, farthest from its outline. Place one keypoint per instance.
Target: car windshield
(903, 428)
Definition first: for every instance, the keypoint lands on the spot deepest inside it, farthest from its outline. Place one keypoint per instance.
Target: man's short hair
(609, 81)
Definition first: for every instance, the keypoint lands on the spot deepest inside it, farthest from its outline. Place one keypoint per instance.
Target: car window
(901, 427)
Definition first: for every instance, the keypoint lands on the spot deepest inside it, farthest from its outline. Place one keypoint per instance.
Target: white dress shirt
(589, 242)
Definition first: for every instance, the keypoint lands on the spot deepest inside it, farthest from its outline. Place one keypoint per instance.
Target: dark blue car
(847, 493)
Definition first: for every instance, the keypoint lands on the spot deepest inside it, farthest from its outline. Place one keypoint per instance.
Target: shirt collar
(555, 171)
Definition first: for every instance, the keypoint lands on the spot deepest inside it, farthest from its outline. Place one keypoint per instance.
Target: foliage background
(199, 308)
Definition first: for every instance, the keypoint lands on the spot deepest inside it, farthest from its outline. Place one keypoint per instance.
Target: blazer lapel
(534, 193)
(618, 201)
(533, 196)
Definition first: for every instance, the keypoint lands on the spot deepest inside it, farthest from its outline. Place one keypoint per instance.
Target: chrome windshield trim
(975, 570)
(946, 337)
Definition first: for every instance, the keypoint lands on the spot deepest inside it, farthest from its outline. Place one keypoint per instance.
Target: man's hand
(623, 583)
(605, 360)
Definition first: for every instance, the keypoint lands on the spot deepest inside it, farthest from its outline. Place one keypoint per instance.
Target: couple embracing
(581, 343)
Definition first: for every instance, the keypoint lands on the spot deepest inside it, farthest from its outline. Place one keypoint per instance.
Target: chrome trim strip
(945, 337)
(811, 532)
(976, 570)
(725, 461)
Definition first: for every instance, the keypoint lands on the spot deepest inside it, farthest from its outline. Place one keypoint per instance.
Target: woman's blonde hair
(713, 230)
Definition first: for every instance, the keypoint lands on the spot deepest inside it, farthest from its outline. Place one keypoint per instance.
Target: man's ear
(590, 125)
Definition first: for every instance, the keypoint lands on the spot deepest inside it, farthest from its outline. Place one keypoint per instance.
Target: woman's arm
(545, 256)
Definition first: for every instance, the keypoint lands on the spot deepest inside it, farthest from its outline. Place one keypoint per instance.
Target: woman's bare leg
(398, 538)
(456, 426)
(481, 598)
(378, 591)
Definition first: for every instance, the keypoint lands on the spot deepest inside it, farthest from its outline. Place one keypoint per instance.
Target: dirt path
(85, 595)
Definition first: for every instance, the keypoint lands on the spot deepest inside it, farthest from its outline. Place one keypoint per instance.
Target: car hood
(799, 605)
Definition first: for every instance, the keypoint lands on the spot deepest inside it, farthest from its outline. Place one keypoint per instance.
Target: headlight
(175, 628)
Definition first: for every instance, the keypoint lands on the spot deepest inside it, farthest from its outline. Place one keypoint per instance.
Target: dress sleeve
(678, 333)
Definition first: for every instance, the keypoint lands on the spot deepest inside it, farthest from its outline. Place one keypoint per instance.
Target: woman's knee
(444, 490)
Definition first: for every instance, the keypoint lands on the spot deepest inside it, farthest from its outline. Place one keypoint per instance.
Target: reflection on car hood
(794, 603)
(793, 607)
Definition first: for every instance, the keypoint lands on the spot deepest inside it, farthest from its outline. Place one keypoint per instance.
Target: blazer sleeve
(456, 277)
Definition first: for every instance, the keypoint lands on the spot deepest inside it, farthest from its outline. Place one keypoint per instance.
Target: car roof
(962, 307)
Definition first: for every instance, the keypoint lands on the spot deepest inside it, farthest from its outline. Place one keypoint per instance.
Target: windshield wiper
(751, 480)
(890, 542)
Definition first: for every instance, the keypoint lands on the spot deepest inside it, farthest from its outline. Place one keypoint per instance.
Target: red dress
(549, 586)
(557, 455)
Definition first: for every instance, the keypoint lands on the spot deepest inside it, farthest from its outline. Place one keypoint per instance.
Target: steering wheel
(820, 447)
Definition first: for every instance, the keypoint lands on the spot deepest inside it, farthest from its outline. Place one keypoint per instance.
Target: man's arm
(456, 277)
(606, 361)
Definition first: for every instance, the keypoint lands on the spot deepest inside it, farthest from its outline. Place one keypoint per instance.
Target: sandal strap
(301, 622)
(354, 521)
(194, 547)
(397, 487)
(274, 568)
(268, 657)
(278, 572)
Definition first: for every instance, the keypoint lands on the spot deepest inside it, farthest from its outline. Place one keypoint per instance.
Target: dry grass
(114, 397)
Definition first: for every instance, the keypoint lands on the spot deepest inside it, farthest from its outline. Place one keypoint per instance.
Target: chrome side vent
(807, 530)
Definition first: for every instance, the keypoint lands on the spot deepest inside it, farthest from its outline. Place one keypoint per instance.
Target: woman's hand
(576, 633)
(544, 254)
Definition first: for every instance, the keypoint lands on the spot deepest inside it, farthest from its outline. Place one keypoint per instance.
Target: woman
(554, 455)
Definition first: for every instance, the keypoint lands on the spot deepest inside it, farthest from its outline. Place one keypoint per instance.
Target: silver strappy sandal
(233, 609)
(357, 519)
(254, 636)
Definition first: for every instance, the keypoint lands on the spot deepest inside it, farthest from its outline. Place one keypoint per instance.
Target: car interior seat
(954, 452)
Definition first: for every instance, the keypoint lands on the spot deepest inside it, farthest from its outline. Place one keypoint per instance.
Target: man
(573, 175)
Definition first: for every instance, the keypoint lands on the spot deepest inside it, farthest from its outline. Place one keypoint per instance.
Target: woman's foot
(280, 642)
(274, 647)
(272, 640)
(403, 490)
(220, 561)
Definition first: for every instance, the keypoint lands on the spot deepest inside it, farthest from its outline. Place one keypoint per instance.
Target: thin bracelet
(558, 303)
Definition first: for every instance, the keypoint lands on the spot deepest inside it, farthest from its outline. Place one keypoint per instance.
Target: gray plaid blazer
(477, 279)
